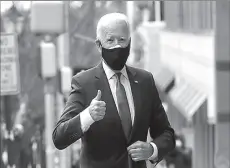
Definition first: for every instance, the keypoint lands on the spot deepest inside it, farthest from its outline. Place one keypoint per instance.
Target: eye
(110, 40)
(122, 39)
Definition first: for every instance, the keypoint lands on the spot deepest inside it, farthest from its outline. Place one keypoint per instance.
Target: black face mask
(116, 58)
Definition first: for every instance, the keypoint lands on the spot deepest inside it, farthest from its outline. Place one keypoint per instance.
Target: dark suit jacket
(104, 145)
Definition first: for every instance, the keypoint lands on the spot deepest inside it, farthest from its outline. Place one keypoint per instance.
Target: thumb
(98, 97)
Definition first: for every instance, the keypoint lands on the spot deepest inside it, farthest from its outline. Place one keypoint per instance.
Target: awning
(187, 98)
(164, 79)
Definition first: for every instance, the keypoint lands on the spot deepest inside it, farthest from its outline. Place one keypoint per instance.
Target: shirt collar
(110, 73)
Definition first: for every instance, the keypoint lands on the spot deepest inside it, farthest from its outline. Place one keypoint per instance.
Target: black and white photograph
(115, 84)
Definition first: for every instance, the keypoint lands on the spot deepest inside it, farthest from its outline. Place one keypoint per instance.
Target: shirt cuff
(86, 120)
(154, 156)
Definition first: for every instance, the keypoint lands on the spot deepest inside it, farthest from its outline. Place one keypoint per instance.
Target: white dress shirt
(85, 117)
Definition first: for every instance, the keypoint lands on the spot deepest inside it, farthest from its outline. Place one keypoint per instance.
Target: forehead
(115, 28)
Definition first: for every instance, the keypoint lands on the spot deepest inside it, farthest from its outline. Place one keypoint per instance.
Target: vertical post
(130, 13)
(157, 11)
(63, 60)
(130, 7)
(203, 139)
(63, 40)
(43, 23)
(1, 131)
(7, 114)
(10, 137)
(222, 84)
(49, 68)
(49, 99)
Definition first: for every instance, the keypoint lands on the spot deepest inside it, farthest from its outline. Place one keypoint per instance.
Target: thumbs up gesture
(97, 107)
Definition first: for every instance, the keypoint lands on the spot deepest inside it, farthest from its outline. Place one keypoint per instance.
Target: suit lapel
(135, 87)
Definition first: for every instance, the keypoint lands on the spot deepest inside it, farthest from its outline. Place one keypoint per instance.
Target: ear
(98, 44)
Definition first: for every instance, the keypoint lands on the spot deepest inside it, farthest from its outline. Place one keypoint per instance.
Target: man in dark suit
(112, 106)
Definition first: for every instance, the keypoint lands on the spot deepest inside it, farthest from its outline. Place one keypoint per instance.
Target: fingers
(100, 110)
(136, 145)
(100, 103)
(136, 155)
(134, 151)
(97, 112)
(139, 151)
(136, 159)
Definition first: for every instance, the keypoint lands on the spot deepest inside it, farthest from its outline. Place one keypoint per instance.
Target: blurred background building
(189, 57)
(184, 44)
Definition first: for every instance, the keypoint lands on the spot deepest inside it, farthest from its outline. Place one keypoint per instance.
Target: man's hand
(97, 108)
(140, 151)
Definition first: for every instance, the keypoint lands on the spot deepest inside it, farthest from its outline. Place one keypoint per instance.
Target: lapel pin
(135, 81)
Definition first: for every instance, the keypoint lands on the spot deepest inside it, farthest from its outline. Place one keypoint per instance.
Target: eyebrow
(109, 36)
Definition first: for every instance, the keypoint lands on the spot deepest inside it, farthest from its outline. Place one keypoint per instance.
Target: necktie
(123, 106)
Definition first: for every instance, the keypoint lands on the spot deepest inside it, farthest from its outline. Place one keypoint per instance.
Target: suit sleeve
(68, 129)
(160, 128)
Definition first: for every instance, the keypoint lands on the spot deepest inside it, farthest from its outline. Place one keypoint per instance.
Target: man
(112, 106)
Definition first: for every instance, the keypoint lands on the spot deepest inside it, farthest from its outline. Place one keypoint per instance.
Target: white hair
(106, 19)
